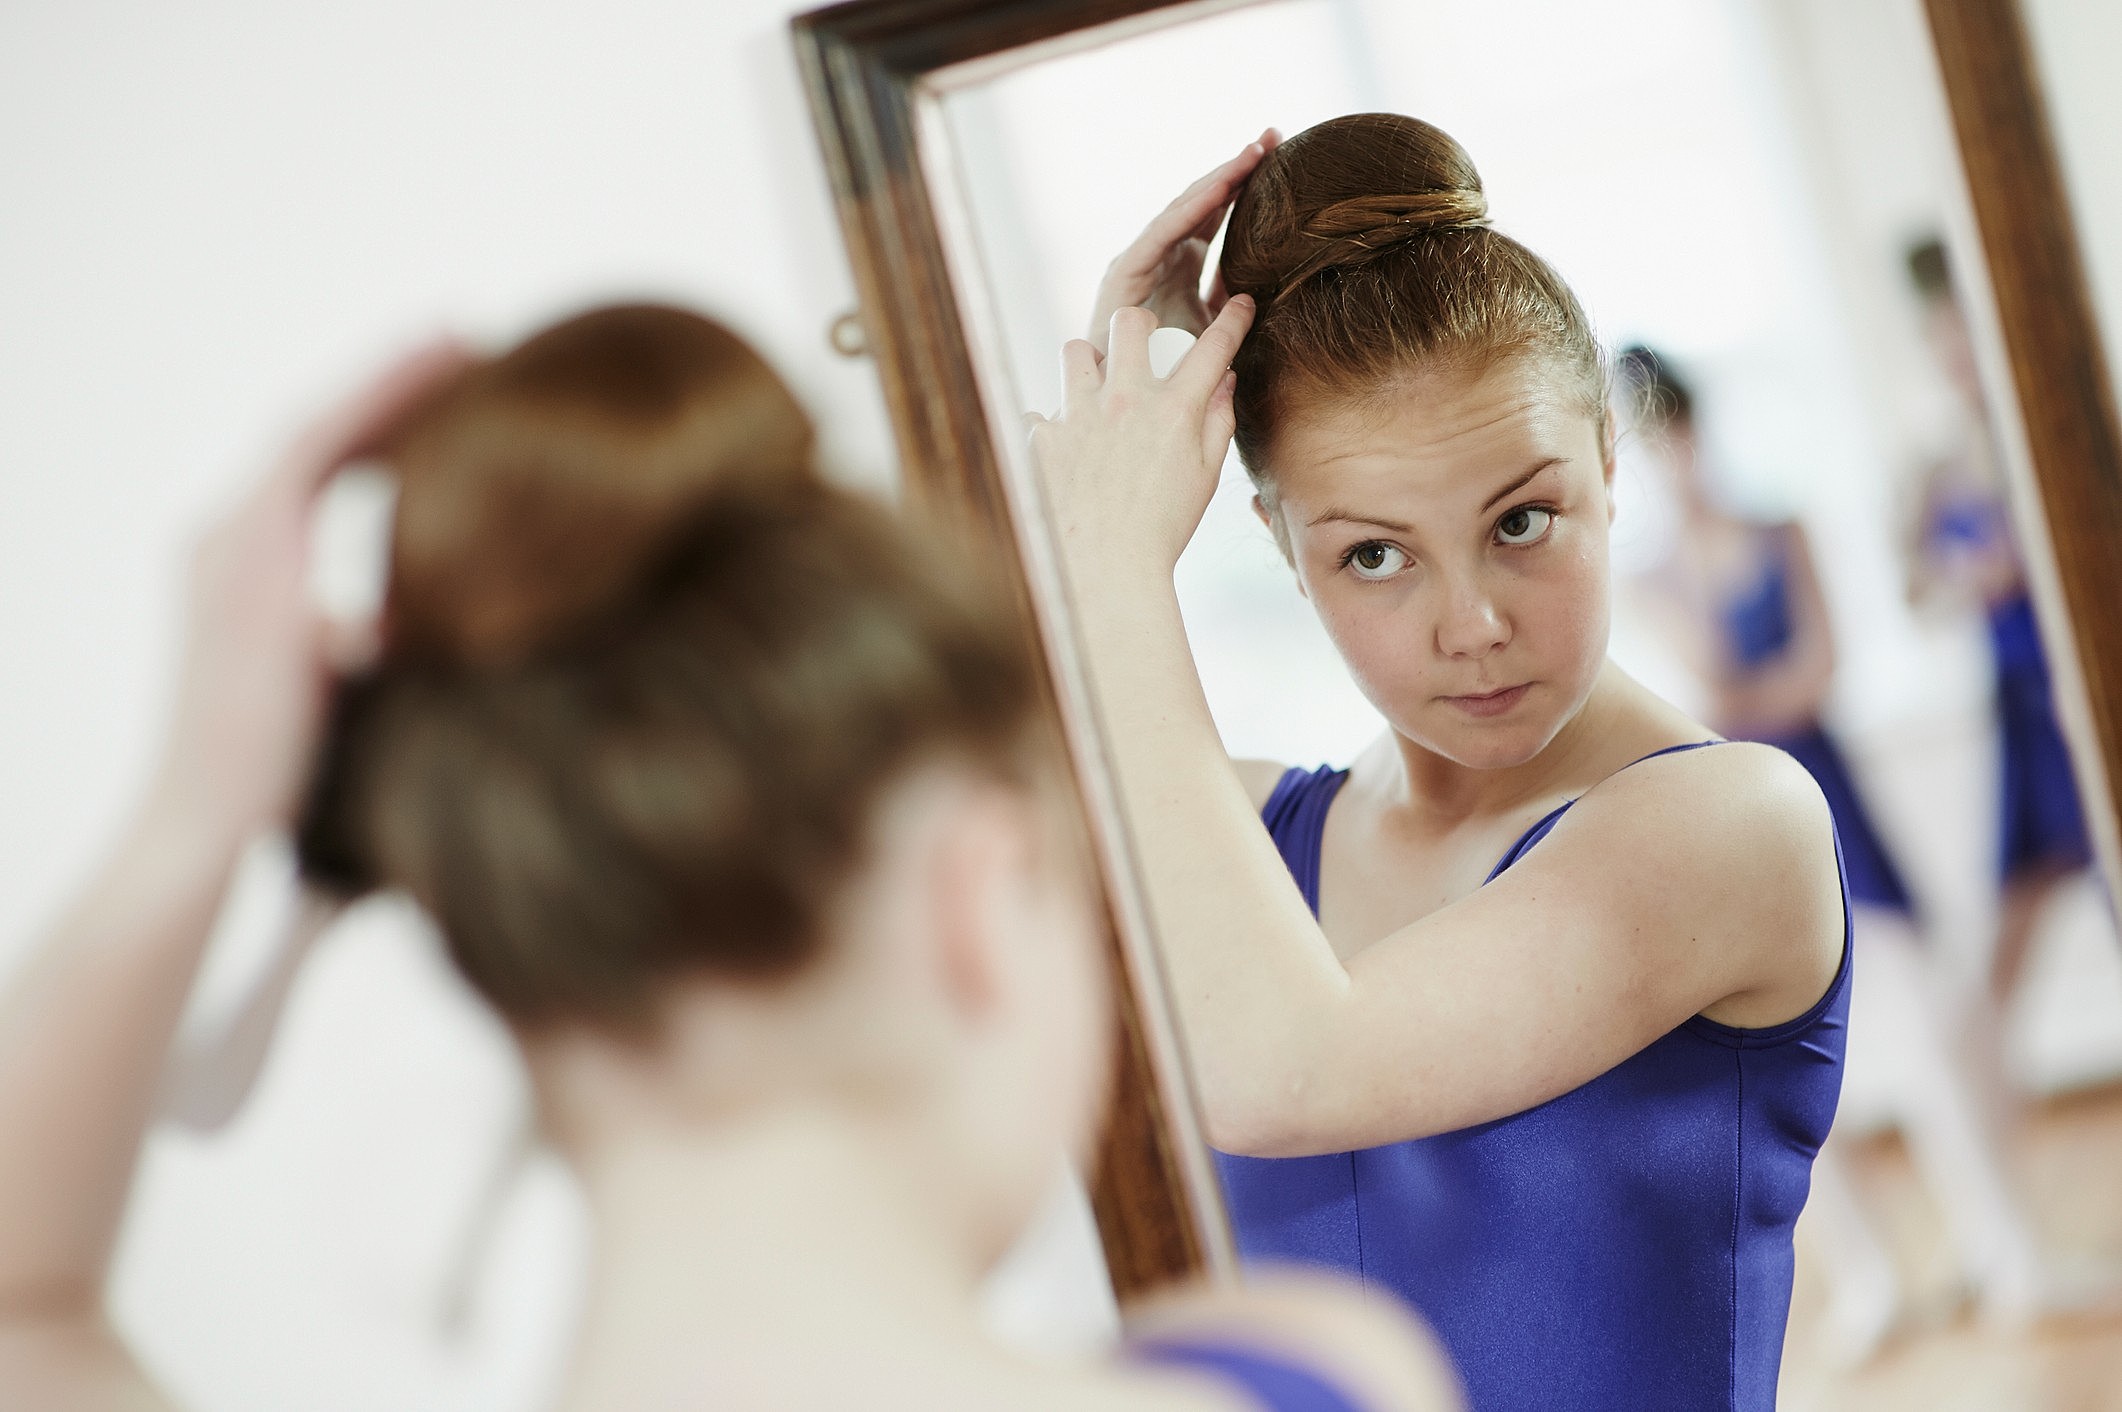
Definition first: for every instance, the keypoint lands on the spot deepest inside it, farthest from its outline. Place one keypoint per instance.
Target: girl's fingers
(1209, 359)
(360, 423)
(1221, 420)
(267, 530)
(1205, 199)
(1200, 206)
(1127, 343)
(1082, 370)
(350, 646)
(1218, 294)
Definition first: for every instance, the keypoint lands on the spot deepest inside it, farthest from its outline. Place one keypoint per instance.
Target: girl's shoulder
(1687, 783)
(1744, 850)
(1661, 776)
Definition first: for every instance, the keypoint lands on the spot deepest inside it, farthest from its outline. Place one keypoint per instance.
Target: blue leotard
(1625, 1246)
(1277, 1383)
(1757, 626)
(2041, 824)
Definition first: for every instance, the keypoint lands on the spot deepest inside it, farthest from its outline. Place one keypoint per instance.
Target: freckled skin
(1438, 604)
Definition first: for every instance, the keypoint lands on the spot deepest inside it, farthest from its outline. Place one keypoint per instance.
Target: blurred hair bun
(512, 530)
(1344, 193)
(646, 675)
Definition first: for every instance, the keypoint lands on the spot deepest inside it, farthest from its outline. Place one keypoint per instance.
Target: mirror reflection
(1605, 410)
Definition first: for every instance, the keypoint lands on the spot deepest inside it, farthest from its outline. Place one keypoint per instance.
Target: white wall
(216, 215)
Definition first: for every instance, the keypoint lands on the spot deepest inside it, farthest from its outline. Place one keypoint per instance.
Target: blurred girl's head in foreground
(728, 799)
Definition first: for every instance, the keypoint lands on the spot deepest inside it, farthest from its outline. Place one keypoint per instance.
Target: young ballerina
(1565, 1103)
(1744, 602)
(741, 814)
(1963, 545)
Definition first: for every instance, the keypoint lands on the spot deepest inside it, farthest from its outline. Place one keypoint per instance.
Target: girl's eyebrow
(1521, 482)
(1349, 517)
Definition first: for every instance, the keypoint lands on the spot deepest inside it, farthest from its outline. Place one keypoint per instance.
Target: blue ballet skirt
(1276, 1382)
(1757, 627)
(1624, 1247)
(2041, 824)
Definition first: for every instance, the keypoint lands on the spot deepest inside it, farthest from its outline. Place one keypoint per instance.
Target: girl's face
(1452, 535)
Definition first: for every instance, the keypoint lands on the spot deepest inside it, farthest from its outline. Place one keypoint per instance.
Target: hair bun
(1373, 220)
(541, 492)
(1344, 193)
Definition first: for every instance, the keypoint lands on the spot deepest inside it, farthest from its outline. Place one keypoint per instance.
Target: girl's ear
(976, 879)
(1267, 517)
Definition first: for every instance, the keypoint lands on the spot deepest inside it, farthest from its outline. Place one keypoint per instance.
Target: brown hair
(647, 674)
(1365, 241)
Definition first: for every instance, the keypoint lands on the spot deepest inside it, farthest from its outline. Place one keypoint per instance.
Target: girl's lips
(1495, 703)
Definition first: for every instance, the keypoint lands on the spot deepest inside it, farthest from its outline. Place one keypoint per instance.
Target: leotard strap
(1546, 825)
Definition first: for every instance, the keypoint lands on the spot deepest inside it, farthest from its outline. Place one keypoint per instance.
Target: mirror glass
(1763, 192)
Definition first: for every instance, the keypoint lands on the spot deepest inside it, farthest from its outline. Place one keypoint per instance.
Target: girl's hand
(1132, 461)
(259, 659)
(1161, 269)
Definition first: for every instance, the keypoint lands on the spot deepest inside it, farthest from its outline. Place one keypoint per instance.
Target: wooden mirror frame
(877, 72)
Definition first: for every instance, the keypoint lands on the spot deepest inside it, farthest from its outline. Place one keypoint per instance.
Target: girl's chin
(1484, 746)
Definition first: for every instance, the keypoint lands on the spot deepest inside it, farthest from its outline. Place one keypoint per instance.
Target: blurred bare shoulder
(72, 1365)
(1377, 1351)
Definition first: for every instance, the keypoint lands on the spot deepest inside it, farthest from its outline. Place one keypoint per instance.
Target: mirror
(1750, 189)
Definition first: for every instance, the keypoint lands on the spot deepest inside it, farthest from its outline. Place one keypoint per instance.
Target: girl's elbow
(1230, 1126)
(1244, 1120)
(1272, 1118)
(1280, 1095)
(1243, 1140)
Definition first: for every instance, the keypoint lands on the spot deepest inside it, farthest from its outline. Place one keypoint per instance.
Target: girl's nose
(1472, 624)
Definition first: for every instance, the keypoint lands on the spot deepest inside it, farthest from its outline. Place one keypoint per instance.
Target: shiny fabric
(1273, 1381)
(1625, 1246)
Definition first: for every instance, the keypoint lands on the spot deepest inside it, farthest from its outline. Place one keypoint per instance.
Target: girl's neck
(723, 1259)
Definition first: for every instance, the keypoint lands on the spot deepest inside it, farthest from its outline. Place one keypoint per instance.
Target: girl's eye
(1524, 525)
(1374, 559)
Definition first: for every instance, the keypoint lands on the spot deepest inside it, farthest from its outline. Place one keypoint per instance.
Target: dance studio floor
(2071, 1165)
